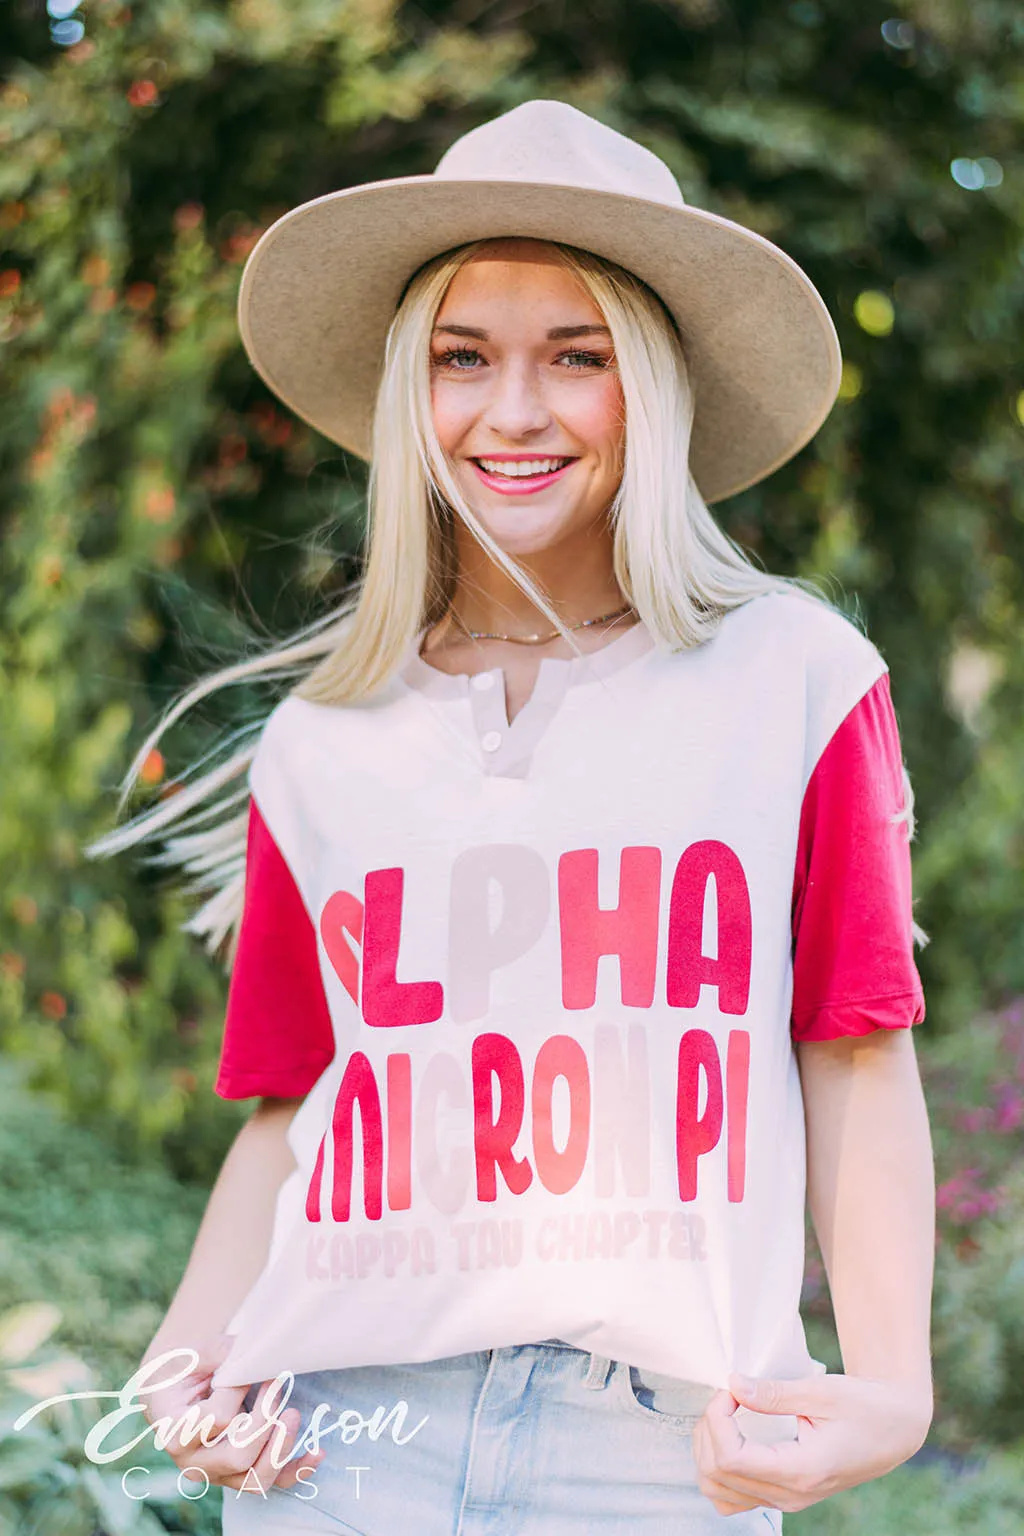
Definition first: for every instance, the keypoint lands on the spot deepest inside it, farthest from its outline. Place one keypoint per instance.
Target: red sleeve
(277, 1035)
(853, 957)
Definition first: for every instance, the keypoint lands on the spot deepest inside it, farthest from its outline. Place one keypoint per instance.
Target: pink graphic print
(387, 1002)
(609, 1104)
(629, 930)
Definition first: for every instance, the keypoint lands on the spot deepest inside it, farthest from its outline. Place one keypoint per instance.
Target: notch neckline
(629, 646)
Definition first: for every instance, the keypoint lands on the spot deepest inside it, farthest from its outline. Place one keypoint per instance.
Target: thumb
(216, 1349)
(766, 1395)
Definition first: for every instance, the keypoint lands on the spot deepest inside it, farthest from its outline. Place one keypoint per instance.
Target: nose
(517, 408)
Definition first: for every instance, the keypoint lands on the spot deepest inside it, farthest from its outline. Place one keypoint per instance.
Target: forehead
(514, 273)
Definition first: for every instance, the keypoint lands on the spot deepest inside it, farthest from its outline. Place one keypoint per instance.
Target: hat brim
(320, 288)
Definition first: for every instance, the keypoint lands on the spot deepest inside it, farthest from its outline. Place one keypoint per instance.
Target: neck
(578, 581)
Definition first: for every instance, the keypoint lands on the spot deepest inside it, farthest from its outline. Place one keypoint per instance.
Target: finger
(289, 1467)
(311, 1459)
(807, 1397)
(226, 1458)
(724, 1436)
(752, 1494)
(263, 1473)
(767, 1474)
(206, 1428)
(726, 1506)
(287, 1471)
(791, 1493)
(225, 1403)
(726, 1500)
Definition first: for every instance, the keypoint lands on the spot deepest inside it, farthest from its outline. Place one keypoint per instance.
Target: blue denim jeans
(533, 1440)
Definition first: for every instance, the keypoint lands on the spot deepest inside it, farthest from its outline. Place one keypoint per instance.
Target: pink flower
(1009, 1107)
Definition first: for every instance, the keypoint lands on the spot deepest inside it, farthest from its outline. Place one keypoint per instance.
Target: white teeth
(518, 471)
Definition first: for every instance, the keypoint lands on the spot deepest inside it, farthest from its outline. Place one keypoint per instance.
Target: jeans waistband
(600, 1368)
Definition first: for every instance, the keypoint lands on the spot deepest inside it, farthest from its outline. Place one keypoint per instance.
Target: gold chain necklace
(476, 634)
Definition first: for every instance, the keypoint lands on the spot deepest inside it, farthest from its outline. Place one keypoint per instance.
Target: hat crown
(552, 142)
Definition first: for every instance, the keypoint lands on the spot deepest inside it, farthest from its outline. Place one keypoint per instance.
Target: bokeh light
(975, 174)
(874, 312)
(898, 33)
(66, 33)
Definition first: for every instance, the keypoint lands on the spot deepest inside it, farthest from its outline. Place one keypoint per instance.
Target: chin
(519, 533)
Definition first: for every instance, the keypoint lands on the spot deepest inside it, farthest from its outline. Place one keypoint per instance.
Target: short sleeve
(278, 1036)
(853, 959)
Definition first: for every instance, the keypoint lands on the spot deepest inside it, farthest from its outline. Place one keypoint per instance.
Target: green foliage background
(161, 514)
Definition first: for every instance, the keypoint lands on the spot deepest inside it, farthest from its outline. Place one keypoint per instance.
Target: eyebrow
(558, 333)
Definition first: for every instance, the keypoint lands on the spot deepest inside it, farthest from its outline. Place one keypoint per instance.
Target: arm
(227, 1256)
(871, 1192)
(233, 1240)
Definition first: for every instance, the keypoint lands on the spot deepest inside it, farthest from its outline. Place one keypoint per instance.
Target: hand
(849, 1430)
(248, 1467)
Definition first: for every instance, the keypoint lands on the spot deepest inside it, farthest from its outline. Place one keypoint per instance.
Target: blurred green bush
(162, 514)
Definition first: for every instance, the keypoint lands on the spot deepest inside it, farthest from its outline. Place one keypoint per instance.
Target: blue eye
(449, 356)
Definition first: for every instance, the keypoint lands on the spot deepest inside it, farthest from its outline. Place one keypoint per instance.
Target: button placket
(488, 709)
(506, 749)
(499, 748)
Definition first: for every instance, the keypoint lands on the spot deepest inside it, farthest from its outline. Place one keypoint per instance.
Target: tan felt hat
(320, 287)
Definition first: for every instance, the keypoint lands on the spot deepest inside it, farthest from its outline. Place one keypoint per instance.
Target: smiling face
(526, 397)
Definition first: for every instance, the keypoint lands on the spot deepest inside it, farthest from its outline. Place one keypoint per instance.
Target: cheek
(596, 417)
(452, 414)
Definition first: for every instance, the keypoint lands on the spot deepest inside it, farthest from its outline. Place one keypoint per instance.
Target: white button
(491, 741)
(483, 680)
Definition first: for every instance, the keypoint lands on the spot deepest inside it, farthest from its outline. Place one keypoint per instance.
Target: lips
(521, 476)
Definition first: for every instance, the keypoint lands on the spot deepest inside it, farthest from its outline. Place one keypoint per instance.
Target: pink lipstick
(520, 484)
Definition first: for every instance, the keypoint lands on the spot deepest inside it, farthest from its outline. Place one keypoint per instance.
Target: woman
(576, 878)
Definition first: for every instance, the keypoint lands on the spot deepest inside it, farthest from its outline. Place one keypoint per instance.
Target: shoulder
(286, 776)
(803, 623)
(288, 733)
(800, 643)
(283, 764)
(807, 635)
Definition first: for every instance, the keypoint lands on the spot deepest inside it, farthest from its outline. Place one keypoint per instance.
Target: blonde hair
(672, 561)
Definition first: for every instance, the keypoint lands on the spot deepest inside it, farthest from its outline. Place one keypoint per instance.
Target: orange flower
(159, 504)
(139, 296)
(95, 270)
(53, 1005)
(12, 964)
(10, 282)
(152, 770)
(188, 216)
(237, 246)
(142, 93)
